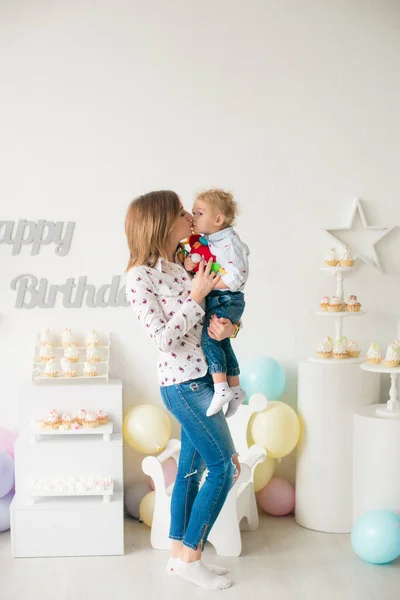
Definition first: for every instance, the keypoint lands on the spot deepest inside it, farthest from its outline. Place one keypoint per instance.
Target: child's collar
(219, 235)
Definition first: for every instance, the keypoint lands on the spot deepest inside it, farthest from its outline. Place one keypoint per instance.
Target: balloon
(133, 497)
(277, 497)
(146, 508)
(5, 511)
(170, 469)
(277, 428)
(7, 439)
(147, 428)
(6, 473)
(263, 473)
(375, 536)
(264, 375)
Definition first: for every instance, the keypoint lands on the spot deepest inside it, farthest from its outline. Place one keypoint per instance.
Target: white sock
(197, 573)
(222, 395)
(240, 396)
(213, 568)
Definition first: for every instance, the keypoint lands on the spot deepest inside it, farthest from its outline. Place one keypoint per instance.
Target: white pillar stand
(329, 393)
(376, 460)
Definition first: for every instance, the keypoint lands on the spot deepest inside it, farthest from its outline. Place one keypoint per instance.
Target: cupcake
(353, 349)
(324, 303)
(46, 352)
(92, 338)
(345, 257)
(67, 338)
(66, 419)
(75, 425)
(325, 348)
(68, 368)
(92, 354)
(52, 421)
(81, 416)
(64, 426)
(340, 349)
(50, 369)
(335, 304)
(90, 420)
(392, 357)
(89, 370)
(352, 304)
(45, 337)
(71, 353)
(374, 356)
(331, 258)
(102, 417)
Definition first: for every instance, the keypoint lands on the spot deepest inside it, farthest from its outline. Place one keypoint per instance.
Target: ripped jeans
(206, 442)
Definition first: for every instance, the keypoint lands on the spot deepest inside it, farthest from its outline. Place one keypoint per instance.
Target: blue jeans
(206, 442)
(220, 356)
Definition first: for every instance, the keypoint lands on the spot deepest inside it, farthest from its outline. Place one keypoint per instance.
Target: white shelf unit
(391, 409)
(70, 524)
(35, 493)
(103, 365)
(37, 432)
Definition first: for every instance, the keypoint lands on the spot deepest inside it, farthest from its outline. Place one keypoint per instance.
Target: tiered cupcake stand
(376, 459)
(329, 392)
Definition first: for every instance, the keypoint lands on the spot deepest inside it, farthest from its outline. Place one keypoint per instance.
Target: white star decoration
(361, 239)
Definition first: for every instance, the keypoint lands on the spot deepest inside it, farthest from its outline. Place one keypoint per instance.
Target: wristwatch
(236, 331)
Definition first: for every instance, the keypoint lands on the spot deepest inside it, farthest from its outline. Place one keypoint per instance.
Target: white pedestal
(73, 525)
(327, 398)
(376, 461)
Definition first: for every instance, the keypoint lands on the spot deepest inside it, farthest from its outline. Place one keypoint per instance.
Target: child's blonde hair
(148, 223)
(223, 201)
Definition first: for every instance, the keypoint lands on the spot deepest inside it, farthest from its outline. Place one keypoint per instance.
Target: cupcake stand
(329, 392)
(376, 458)
(69, 484)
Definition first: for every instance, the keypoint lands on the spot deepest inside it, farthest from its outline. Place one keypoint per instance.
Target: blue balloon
(376, 536)
(5, 511)
(6, 473)
(263, 375)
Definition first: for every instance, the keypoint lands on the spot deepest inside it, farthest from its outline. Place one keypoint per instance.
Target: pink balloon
(7, 439)
(277, 497)
(170, 469)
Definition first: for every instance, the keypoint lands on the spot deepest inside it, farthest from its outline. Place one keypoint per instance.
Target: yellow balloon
(263, 473)
(147, 428)
(146, 508)
(277, 428)
(249, 437)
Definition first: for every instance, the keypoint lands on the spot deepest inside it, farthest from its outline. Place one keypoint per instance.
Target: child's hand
(189, 264)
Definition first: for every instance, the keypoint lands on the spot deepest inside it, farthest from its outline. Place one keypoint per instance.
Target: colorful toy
(199, 250)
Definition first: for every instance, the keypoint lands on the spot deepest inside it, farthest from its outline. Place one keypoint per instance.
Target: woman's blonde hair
(223, 202)
(148, 223)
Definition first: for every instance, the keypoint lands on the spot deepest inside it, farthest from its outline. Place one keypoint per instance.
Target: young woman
(169, 304)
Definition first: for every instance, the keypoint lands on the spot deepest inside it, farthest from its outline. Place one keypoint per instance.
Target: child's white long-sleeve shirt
(231, 253)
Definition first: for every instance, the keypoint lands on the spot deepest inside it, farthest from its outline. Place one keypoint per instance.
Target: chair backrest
(239, 422)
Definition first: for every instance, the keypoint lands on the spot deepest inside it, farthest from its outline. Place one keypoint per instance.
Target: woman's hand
(203, 282)
(220, 328)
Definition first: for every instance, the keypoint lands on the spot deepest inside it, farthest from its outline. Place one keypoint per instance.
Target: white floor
(280, 561)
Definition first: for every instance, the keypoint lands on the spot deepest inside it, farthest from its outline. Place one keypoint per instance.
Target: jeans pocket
(165, 399)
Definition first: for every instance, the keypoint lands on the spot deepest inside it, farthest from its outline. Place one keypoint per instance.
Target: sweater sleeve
(145, 303)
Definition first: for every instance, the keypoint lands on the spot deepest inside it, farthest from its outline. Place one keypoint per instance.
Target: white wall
(291, 105)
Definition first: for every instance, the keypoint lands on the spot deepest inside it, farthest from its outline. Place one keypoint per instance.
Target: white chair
(240, 508)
